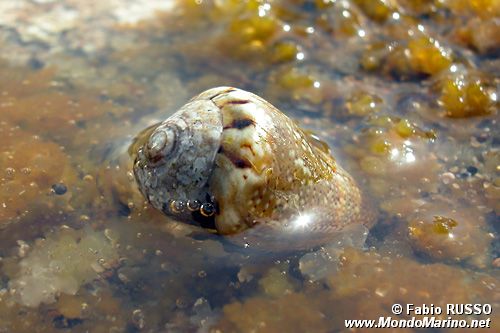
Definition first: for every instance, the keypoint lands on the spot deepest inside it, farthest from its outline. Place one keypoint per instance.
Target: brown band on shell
(240, 163)
(225, 91)
(241, 123)
(235, 101)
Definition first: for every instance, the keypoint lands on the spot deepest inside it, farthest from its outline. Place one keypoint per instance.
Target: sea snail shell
(230, 161)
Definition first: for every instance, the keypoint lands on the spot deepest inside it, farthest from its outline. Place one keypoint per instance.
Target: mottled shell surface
(231, 161)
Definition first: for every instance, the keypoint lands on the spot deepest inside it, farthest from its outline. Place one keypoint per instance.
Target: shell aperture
(231, 161)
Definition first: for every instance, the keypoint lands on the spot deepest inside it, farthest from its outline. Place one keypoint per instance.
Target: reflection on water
(404, 92)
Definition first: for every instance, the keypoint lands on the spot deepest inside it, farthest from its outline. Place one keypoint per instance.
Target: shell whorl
(270, 181)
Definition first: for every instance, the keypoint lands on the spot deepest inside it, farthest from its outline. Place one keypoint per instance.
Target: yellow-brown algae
(450, 235)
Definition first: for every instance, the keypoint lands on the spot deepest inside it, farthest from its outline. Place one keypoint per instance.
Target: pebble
(59, 188)
(496, 263)
(447, 177)
(472, 170)
(138, 318)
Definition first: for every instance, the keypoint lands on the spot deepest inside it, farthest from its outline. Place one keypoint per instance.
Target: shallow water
(404, 93)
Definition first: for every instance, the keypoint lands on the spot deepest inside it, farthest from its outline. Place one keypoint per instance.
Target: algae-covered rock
(61, 263)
